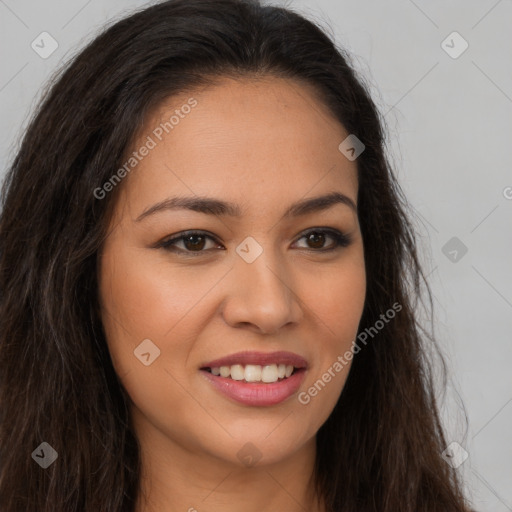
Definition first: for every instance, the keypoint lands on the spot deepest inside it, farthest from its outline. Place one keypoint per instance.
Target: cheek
(143, 299)
(138, 303)
(336, 297)
(337, 302)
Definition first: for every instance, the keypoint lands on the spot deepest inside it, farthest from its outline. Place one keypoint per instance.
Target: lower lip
(256, 394)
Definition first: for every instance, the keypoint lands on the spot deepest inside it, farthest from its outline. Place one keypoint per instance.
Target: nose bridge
(262, 293)
(266, 274)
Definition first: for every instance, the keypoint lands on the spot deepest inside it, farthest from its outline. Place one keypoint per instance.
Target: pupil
(314, 237)
(196, 245)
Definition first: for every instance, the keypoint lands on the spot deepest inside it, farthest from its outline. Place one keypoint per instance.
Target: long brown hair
(380, 450)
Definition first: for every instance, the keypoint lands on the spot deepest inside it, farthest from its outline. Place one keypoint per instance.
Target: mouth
(256, 378)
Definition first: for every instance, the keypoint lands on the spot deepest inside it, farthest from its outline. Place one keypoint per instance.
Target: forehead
(244, 138)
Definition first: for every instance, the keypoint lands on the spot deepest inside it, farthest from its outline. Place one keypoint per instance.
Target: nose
(261, 296)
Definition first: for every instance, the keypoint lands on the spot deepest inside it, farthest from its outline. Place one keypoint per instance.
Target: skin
(263, 144)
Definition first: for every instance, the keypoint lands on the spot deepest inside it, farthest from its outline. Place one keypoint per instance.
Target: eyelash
(341, 240)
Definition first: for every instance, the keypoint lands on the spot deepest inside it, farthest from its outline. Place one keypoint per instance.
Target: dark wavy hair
(380, 449)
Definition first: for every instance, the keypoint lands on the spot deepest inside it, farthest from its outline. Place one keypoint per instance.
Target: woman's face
(259, 288)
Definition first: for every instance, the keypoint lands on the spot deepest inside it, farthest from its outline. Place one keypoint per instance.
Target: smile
(254, 372)
(256, 378)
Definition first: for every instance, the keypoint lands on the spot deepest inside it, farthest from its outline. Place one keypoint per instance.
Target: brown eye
(193, 242)
(316, 239)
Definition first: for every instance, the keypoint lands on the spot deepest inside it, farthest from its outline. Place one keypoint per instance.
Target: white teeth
(269, 373)
(254, 372)
(237, 372)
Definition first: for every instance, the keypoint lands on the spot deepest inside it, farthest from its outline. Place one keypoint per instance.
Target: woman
(209, 282)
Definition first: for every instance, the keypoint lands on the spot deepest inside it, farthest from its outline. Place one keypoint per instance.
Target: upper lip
(259, 358)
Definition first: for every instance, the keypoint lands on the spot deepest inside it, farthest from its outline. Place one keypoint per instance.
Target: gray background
(450, 130)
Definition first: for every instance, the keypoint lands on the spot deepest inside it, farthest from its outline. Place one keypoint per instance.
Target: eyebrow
(212, 206)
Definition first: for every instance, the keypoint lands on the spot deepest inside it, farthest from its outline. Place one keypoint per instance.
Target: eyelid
(166, 243)
(341, 238)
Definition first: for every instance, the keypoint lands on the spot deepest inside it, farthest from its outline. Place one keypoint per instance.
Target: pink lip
(260, 358)
(256, 394)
